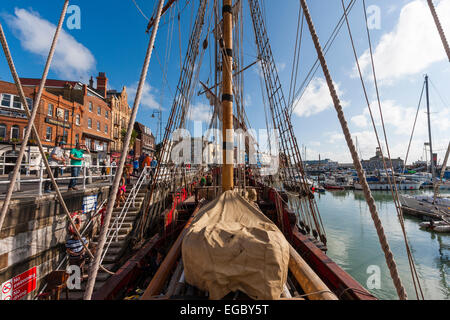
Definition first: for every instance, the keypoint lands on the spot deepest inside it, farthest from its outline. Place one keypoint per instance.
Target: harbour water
(353, 244)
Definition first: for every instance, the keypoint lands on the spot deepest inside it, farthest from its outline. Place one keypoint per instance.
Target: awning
(97, 137)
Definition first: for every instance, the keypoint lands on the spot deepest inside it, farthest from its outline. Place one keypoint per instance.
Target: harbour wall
(35, 231)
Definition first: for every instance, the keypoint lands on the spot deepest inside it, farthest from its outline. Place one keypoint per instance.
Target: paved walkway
(31, 189)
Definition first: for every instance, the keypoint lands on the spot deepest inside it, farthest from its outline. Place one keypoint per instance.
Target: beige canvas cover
(232, 246)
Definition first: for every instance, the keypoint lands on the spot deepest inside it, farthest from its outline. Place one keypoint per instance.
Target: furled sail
(233, 246)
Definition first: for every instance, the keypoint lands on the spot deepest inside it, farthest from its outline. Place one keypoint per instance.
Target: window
(66, 115)
(2, 131)
(16, 103)
(90, 123)
(50, 110)
(6, 100)
(98, 125)
(106, 128)
(106, 114)
(90, 106)
(30, 104)
(88, 143)
(99, 111)
(105, 146)
(24, 130)
(77, 138)
(48, 134)
(15, 132)
(77, 119)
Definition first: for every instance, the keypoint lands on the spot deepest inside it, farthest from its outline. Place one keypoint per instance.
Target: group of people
(57, 160)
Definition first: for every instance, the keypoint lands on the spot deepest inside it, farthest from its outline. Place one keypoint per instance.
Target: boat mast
(429, 129)
(227, 97)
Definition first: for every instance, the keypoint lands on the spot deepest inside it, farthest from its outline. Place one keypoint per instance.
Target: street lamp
(159, 113)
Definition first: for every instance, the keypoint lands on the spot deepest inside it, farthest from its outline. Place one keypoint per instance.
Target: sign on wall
(89, 203)
(19, 286)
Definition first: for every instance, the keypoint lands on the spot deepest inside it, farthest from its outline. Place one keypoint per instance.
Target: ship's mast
(227, 97)
(429, 129)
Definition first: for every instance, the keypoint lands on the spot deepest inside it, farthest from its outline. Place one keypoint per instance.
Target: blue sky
(112, 40)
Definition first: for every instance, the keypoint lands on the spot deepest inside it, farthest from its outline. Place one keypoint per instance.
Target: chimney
(67, 91)
(91, 83)
(102, 84)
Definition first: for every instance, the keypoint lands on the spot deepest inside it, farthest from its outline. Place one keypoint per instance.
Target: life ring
(76, 217)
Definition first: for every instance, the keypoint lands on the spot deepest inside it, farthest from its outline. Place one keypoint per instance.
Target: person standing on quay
(56, 159)
(76, 159)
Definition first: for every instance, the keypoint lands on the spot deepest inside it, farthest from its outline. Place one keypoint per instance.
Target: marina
(219, 202)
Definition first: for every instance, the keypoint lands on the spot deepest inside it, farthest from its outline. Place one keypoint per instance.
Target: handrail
(85, 173)
(123, 213)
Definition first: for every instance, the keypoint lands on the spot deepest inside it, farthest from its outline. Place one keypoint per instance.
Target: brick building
(55, 121)
(121, 113)
(90, 119)
(145, 140)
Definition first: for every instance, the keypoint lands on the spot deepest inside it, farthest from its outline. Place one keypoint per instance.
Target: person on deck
(141, 160)
(147, 161)
(75, 248)
(121, 192)
(56, 159)
(209, 180)
(202, 182)
(136, 167)
(76, 159)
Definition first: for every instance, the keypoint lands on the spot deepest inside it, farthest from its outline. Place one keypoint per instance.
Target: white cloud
(148, 98)
(412, 46)
(316, 99)
(360, 121)
(200, 112)
(399, 121)
(72, 60)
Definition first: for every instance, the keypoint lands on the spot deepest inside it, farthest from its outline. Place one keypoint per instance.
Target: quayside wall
(35, 231)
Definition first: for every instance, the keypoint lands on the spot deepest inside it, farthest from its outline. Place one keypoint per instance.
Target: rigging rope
(356, 161)
(32, 126)
(93, 270)
(142, 12)
(414, 128)
(439, 27)
(393, 186)
(305, 84)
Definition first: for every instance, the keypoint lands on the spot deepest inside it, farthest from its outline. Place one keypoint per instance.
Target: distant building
(145, 140)
(121, 113)
(376, 162)
(325, 163)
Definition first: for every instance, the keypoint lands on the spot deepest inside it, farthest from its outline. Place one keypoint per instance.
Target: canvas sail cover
(232, 246)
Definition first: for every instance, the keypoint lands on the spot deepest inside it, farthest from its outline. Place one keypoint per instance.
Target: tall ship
(232, 227)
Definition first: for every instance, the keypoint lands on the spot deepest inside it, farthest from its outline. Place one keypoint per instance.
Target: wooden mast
(227, 97)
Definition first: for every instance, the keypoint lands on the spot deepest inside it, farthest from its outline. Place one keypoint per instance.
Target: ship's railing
(87, 174)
